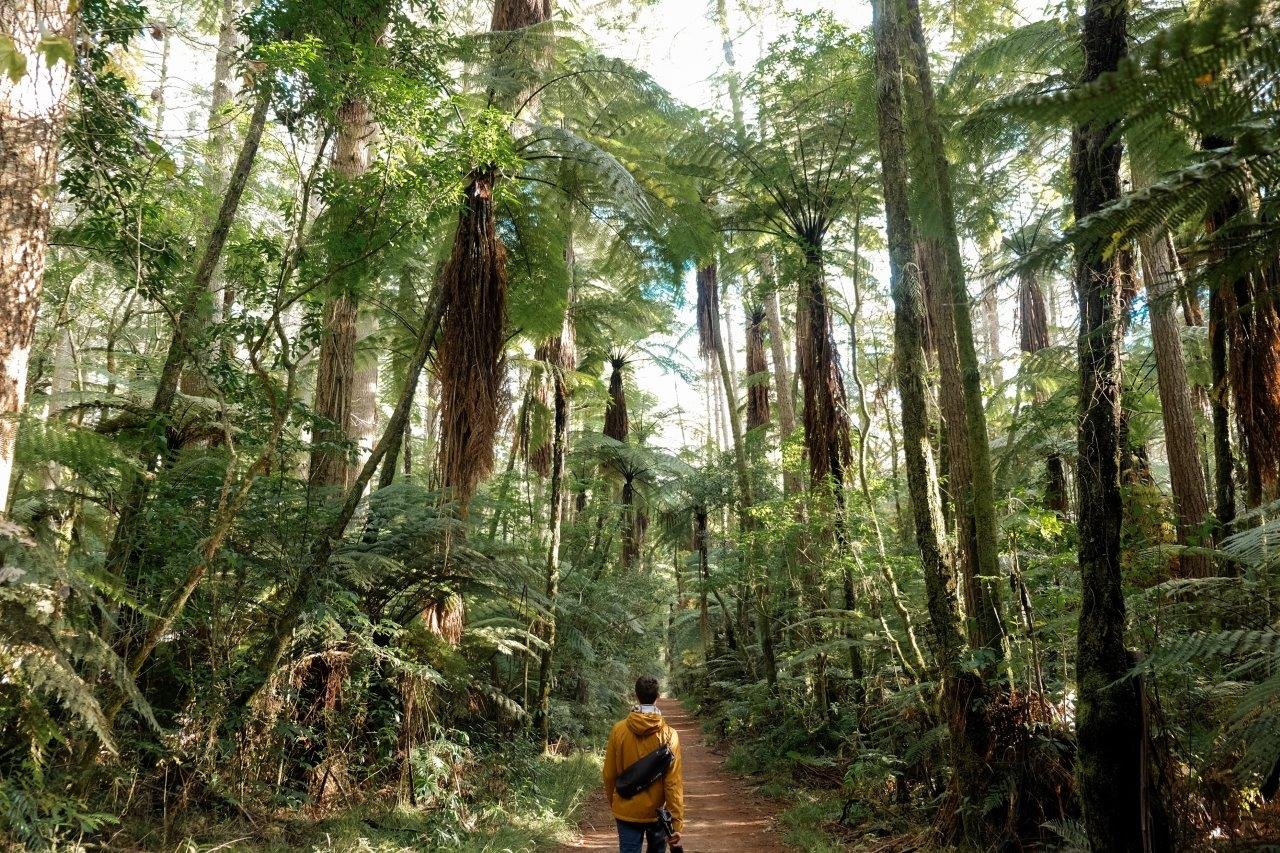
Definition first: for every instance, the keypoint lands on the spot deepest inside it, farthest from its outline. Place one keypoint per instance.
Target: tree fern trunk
(1224, 489)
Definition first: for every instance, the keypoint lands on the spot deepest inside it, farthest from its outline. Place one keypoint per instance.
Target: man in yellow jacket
(639, 734)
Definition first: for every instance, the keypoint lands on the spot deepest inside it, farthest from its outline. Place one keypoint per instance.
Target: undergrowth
(512, 801)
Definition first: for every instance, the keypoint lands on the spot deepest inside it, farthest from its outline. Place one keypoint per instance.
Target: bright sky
(680, 44)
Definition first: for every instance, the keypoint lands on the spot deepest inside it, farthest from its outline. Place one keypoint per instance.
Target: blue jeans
(631, 837)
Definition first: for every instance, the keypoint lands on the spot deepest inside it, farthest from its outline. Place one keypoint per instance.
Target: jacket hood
(642, 724)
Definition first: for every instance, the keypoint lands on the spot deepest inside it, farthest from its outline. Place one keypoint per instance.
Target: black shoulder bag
(645, 771)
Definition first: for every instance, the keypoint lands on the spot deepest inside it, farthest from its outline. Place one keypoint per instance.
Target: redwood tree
(958, 687)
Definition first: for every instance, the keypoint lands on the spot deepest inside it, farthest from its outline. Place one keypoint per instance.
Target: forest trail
(723, 815)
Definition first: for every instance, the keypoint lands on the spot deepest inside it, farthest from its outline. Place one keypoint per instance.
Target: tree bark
(826, 423)
(959, 689)
(757, 371)
(975, 499)
(982, 622)
(864, 435)
(1249, 329)
(1162, 277)
(1109, 719)
(336, 375)
(218, 304)
(1224, 489)
(1034, 338)
(364, 403)
(782, 385)
(562, 361)
(33, 109)
(708, 275)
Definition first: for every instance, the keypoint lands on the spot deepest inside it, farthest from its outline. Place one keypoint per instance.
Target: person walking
(640, 736)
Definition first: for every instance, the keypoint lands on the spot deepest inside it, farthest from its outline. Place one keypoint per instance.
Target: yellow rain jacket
(632, 739)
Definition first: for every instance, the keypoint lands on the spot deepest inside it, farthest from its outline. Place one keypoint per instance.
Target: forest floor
(723, 814)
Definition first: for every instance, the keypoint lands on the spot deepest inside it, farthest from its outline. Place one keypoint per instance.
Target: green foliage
(148, 557)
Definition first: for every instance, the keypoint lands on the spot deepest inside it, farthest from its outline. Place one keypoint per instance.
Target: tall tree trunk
(826, 428)
(33, 109)
(1034, 338)
(1163, 280)
(782, 384)
(701, 545)
(958, 688)
(757, 371)
(617, 427)
(1109, 718)
(1224, 489)
(975, 499)
(335, 388)
(364, 400)
(712, 342)
(336, 375)
(989, 298)
(536, 400)
(561, 351)
(219, 302)
(982, 619)
(864, 435)
(1250, 321)
(402, 446)
(471, 362)
(617, 424)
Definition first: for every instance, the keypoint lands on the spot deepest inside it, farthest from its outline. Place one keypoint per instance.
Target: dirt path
(722, 815)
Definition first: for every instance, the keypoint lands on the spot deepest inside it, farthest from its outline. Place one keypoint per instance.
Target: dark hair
(647, 689)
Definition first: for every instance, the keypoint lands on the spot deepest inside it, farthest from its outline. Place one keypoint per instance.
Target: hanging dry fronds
(616, 425)
(757, 371)
(444, 618)
(470, 364)
(826, 420)
(1035, 321)
(632, 530)
(708, 310)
